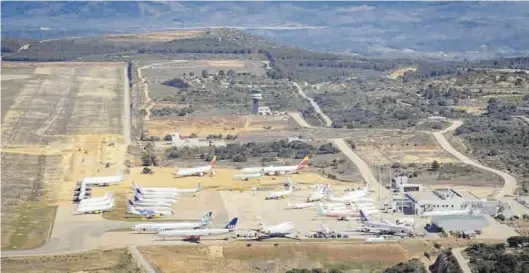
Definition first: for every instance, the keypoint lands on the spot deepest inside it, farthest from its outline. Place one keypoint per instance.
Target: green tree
(435, 165)
(222, 73)
(205, 73)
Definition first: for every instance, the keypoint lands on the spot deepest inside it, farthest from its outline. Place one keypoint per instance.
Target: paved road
(365, 171)
(463, 263)
(510, 183)
(299, 119)
(126, 110)
(326, 119)
(147, 268)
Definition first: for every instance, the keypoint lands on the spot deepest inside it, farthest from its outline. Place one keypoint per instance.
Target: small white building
(264, 110)
(436, 119)
(442, 200)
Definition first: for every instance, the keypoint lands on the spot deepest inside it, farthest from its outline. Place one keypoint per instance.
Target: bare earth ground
(270, 258)
(105, 261)
(395, 74)
(166, 70)
(414, 153)
(206, 125)
(47, 118)
(157, 36)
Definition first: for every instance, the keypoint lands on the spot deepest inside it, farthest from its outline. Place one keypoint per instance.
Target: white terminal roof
(441, 194)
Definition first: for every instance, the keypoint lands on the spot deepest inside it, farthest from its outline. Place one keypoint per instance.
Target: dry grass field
(274, 258)
(106, 261)
(206, 125)
(395, 74)
(164, 36)
(55, 111)
(401, 147)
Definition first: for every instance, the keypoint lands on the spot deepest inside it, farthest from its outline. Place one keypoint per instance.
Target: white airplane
(194, 234)
(95, 209)
(150, 203)
(277, 170)
(300, 205)
(350, 197)
(331, 206)
(155, 208)
(103, 180)
(95, 199)
(281, 194)
(248, 176)
(340, 214)
(279, 230)
(319, 194)
(204, 221)
(154, 199)
(164, 191)
(153, 189)
(96, 203)
(198, 171)
(148, 213)
(157, 195)
(82, 191)
(385, 225)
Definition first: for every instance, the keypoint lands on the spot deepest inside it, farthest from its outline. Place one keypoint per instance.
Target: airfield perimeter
(71, 119)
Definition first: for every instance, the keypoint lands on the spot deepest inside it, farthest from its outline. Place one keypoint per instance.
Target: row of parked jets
(245, 173)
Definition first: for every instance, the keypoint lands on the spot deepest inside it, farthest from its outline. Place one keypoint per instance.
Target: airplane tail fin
(206, 219)
(320, 209)
(139, 190)
(213, 161)
(303, 163)
(232, 224)
(363, 215)
(134, 186)
(325, 228)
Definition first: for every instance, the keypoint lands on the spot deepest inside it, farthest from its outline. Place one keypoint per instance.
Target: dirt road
(326, 119)
(463, 263)
(510, 182)
(147, 268)
(365, 171)
(299, 119)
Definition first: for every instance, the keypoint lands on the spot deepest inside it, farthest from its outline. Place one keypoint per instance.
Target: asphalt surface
(126, 110)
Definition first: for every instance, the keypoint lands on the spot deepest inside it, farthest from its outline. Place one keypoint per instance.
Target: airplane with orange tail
(197, 171)
(278, 170)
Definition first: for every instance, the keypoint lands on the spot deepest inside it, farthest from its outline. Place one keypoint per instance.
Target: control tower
(256, 97)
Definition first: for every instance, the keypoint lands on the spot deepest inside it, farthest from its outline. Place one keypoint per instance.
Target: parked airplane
(300, 205)
(385, 225)
(155, 195)
(95, 203)
(282, 194)
(155, 208)
(95, 199)
(103, 180)
(277, 170)
(164, 191)
(279, 230)
(194, 234)
(199, 171)
(152, 198)
(150, 203)
(340, 214)
(350, 197)
(248, 176)
(148, 213)
(319, 194)
(95, 209)
(205, 221)
(331, 206)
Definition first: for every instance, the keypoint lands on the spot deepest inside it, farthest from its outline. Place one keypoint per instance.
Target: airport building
(441, 200)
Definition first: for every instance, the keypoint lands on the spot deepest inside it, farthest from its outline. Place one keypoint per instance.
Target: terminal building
(441, 201)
